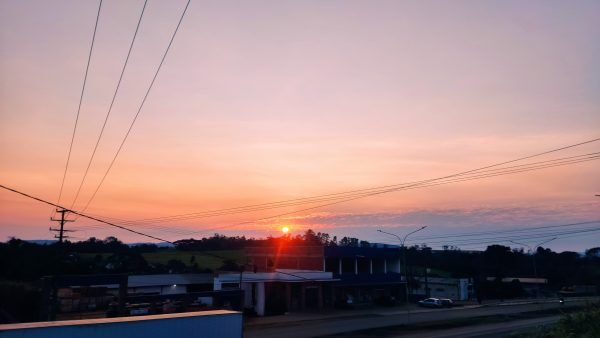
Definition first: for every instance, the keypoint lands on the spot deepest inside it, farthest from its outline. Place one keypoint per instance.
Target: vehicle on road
(431, 302)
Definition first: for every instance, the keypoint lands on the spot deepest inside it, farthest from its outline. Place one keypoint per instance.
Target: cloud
(494, 217)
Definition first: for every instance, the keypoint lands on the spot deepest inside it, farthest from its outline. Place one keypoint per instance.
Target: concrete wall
(206, 324)
(453, 288)
(175, 289)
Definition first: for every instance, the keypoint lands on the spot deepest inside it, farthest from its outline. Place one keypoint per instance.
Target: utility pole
(62, 220)
(533, 251)
(403, 247)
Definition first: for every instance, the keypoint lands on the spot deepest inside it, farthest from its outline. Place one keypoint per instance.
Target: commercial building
(66, 296)
(280, 291)
(452, 288)
(166, 284)
(363, 274)
(366, 274)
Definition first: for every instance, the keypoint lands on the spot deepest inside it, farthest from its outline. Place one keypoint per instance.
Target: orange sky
(259, 102)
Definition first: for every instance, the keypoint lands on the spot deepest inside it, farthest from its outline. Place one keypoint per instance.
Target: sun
(285, 230)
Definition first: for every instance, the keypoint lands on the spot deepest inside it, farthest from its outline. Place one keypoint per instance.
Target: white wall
(205, 324)
(176, 289)
(453, 288)
(260, 299)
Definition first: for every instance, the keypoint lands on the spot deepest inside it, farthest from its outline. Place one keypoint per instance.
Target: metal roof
(280, 275)
(170, 279)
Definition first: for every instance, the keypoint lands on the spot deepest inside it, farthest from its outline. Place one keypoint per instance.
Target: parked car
(431, 302)
(446, 302)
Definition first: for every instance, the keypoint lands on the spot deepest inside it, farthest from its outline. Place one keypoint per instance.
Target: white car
(431, 302)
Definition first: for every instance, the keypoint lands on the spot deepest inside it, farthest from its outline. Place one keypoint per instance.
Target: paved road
(495, 330)
(330, 326)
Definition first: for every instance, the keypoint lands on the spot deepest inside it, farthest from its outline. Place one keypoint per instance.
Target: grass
(583, 324)
(212, 260)
(205, 259)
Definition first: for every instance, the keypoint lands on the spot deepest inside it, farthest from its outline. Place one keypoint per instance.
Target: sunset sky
(262, 101)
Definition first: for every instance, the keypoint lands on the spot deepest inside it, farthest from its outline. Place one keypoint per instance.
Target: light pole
(533, 253)
(402, 241)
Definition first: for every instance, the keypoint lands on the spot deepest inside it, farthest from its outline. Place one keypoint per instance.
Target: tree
(311, 238)
(593, 252)
(349, 241)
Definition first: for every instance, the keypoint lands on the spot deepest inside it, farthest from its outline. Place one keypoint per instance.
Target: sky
(263, 101)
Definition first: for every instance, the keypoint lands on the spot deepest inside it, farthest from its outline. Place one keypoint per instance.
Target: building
(268, 259)
(367, 274)
(279, 291)
(168, 284)
(452, 288)
(96, 295)
(579, 290)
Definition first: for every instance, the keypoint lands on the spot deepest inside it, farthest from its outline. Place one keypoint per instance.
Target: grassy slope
(205, 259)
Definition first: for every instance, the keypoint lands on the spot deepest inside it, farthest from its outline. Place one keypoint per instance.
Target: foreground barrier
(205, 324)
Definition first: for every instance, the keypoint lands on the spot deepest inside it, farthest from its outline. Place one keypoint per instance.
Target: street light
(533, 253)
(402, 241)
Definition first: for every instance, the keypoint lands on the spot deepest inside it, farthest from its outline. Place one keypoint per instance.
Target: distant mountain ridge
(52, 241)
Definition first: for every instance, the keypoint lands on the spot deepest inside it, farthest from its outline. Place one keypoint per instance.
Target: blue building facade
(365, 274)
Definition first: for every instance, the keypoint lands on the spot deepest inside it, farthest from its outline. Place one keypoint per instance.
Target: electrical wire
(82, 214)
(87, 204)
(499, 172)
(470, 234)
(274, 205)
(508, 238)
(347, 200)
(87, 67)
(367, 190)
(112, 102)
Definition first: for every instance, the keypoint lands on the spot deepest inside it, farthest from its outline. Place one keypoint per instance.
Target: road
(373, 320)
(495, 330)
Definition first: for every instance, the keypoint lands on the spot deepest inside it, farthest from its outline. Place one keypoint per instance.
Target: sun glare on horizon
(285, 230)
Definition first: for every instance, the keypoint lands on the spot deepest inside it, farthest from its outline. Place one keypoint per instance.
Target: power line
(510, 237)
(470, 234)
(359, 197)
(368, 191)
(139, 109)
(82, 214)
(112, 102)
(467, 178)
(455, 180)
(458, 237)
(274, 205)
(87, 67)
(481, 173)
(500, 239)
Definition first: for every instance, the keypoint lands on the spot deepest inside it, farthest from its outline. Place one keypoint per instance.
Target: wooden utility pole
(62, 220)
